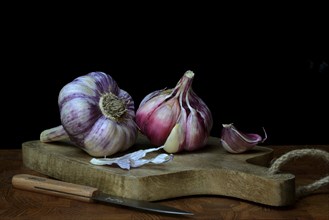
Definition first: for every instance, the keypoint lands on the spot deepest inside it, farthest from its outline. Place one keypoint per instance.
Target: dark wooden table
(19, 204)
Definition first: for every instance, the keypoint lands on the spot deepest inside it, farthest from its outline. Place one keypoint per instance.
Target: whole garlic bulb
(176, 118)
(96, 115)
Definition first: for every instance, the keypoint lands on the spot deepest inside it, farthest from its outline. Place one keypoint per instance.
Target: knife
(86, 193)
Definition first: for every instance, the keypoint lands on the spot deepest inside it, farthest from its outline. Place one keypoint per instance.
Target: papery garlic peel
(176, 118)
(235, 141)
(96, 115)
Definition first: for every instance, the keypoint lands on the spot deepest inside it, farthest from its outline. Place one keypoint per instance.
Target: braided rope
(308, 189)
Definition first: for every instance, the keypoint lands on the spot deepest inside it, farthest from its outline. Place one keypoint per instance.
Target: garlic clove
(235, 141)
(78, 112)
(53, 134)
(158, 93)
(96, 138)
(195, 134)
(129, 135)
(162, 120)
(174, 140)
(147, 107)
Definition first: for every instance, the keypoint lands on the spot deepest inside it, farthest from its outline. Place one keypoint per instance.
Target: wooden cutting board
(209, 171)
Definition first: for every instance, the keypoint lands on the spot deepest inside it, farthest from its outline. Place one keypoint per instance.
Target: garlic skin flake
(235, 141)
(176, 118)
(96, 115)
(135, 159)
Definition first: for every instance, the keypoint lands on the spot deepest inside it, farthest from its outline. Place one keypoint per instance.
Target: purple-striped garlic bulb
(96, 115)
(235, 141)
(176, 118)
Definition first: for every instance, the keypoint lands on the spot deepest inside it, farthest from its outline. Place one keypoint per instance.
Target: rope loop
(295, 154)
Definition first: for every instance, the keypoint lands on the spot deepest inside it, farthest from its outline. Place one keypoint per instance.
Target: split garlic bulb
(176, 118)
(96, 115)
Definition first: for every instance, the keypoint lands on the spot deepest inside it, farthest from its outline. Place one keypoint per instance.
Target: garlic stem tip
(189, 74)
(227, 125)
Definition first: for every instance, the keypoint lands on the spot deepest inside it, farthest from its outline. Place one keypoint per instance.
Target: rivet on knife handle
(53, 187)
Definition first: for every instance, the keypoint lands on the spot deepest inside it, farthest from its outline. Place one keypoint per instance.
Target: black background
(250, 70)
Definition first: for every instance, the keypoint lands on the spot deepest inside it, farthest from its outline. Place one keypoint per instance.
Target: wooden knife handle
(53, 187)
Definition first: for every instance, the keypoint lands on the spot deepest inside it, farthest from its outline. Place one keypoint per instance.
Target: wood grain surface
(209, 171)
(19, 204)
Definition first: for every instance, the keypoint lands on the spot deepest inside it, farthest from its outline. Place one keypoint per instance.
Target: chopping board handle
(53, 187)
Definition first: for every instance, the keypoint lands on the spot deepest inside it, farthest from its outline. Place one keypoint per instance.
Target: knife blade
(86, 193)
